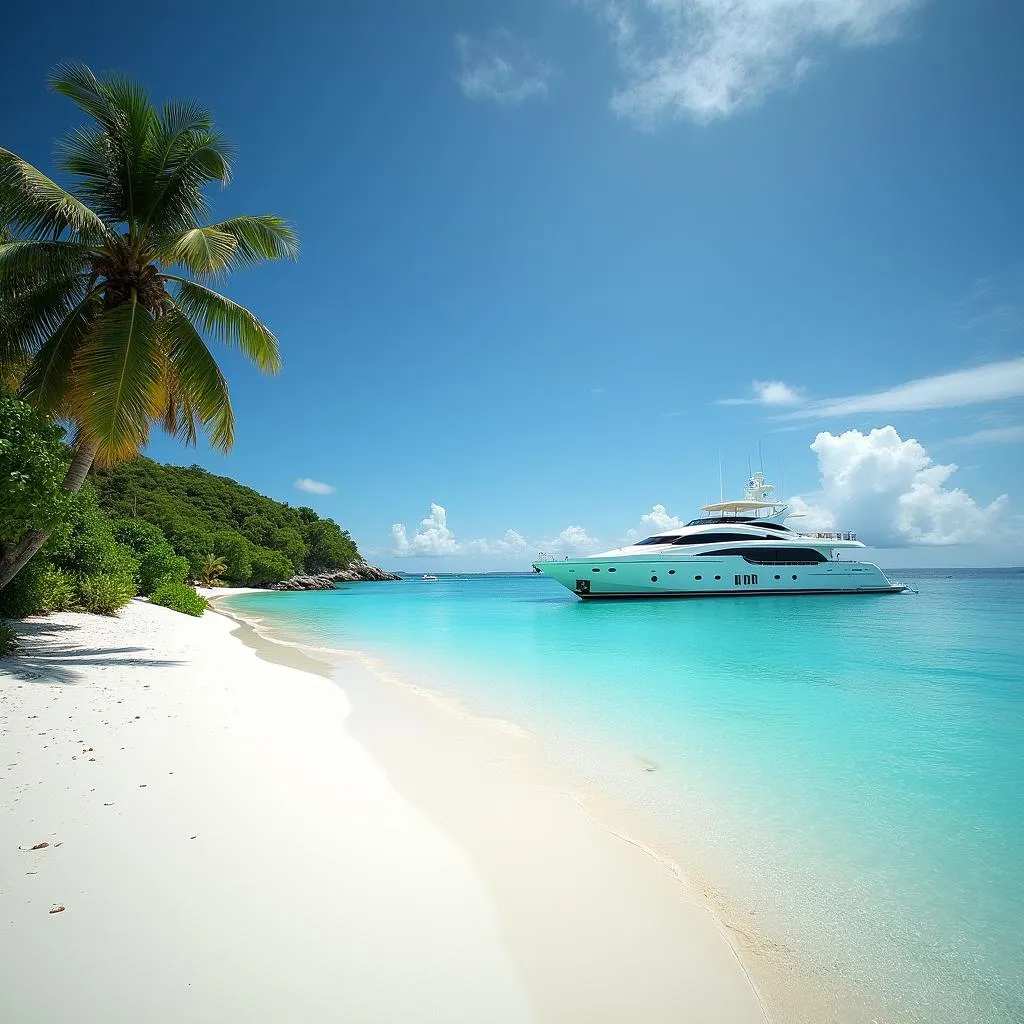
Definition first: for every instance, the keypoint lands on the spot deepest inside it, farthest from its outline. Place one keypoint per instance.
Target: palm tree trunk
(14, 559)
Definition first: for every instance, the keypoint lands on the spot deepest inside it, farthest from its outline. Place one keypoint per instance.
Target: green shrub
(85, 544)
(56, 589)
(137, 534)
(105, 592)
(24, 594)
(33, 460)
(161, 565)
(7, 638)
(179, 597)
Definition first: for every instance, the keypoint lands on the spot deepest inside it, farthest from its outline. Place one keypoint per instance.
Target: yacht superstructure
(735, 548)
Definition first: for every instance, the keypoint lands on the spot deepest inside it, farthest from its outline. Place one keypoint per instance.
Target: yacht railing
(828, 536)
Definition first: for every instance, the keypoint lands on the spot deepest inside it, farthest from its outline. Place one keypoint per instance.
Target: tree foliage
(104, 313)
(106, 309)
(33, 461)
(259, 540)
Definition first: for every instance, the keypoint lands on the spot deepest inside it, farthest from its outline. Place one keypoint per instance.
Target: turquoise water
(845, 774)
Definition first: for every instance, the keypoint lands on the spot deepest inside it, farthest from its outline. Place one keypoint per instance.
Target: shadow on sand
(39, 658)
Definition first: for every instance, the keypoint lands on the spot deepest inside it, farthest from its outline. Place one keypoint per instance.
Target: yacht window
(663, 539)
(717, 538)
(772, 556)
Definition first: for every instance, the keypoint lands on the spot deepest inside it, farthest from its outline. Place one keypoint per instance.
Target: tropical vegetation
(106, 305)
(179, 597)
(7, 639)
(257, 540)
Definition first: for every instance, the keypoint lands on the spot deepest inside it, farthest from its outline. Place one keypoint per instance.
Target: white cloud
(304, 483)
(992, 382)
(767, 392)
(573, 540)
(499, 66)
(706, 59)
(433, 536)
(893, 493)
(992, 435)
(660, 520)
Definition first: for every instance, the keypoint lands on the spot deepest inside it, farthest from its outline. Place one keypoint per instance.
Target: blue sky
(558, 255)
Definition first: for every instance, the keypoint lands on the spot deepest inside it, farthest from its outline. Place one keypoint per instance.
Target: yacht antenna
(760, 457)
(721, 490)
(782, 482)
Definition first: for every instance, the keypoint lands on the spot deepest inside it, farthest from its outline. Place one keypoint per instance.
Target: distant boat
(429, 578)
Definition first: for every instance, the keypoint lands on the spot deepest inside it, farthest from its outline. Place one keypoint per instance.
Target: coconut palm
(105, 288)
(211, 570)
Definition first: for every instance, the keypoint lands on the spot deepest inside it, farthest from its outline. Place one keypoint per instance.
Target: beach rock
(356, 572)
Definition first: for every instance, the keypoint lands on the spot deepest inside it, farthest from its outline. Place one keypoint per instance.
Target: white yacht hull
(725, 576)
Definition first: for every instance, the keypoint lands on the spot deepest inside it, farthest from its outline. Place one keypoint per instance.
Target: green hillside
(258, 539)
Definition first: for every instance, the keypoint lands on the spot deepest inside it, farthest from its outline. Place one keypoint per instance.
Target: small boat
(735, 548)
(429, 578)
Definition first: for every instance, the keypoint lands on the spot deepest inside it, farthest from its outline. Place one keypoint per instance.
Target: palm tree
(105, 293)
(211, 570)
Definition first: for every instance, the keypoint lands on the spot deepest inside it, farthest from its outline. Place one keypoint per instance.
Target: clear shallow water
(846, 774)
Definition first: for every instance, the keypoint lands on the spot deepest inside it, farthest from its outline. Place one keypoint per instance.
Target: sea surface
(843, 775)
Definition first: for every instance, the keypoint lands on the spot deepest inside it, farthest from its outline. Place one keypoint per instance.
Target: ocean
(843, 776)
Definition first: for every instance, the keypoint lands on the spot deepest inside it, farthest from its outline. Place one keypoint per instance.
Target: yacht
(735, 548)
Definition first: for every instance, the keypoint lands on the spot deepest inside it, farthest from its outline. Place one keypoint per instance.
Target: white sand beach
(228, 842)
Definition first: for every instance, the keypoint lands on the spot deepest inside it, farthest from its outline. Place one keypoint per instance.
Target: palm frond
(47, 381)
(118, 371)
(263, 237)
(32, 203)
(200, 387)
(27, 263)
(197, 159)
(229, 322)
(89, 154)
(175, 413)
(128, 121)
(29, 318)
(201, 250)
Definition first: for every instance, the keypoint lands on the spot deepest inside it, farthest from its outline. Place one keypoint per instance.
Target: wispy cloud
(304, 483)
(992, 382)
(767, 392)
(992, 435)
(502, 67)
(706, 59)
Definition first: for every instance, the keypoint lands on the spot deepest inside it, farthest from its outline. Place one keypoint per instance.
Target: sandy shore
(231, 842)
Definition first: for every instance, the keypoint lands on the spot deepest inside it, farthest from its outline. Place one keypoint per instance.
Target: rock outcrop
(355, 573)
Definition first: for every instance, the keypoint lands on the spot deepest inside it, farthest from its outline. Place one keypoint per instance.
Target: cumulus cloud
(892, 492)
(573, 540)
(659, 519)
(304, 483)
(433, 536)
(767, 392)
(706, 59)
(499, 66)
(992, 382)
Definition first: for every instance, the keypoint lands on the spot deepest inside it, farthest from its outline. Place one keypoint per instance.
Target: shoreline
(468, 744)
(199, 857)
